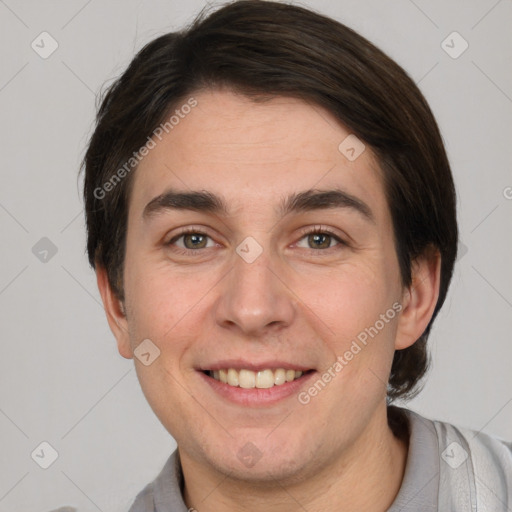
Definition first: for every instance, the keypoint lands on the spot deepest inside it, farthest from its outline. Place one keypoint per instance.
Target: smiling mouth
(249, 379)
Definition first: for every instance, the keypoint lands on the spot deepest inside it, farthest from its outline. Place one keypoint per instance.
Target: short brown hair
(268, 49)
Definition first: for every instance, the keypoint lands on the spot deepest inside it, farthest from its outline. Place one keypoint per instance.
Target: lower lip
(255, 396)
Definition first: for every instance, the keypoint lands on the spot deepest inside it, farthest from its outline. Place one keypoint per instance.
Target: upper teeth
(261, 379)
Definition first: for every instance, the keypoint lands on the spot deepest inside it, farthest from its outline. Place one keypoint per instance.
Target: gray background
(61, 378)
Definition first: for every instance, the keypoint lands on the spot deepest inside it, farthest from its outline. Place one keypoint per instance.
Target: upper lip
(242, 364)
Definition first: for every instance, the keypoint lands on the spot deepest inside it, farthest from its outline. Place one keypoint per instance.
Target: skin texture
(295, 303)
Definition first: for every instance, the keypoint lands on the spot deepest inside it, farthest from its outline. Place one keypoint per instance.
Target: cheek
(353, 306)
(160, 300)
(163, 307)
(164, 390)
(350, 297)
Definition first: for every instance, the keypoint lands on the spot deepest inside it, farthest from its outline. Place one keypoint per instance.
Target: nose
(254, 298)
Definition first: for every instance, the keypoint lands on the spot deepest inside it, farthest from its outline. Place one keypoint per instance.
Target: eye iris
(319, 240)
(194, 241)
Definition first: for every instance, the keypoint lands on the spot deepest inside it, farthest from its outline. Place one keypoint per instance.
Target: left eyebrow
(308, 200)
(311, 200)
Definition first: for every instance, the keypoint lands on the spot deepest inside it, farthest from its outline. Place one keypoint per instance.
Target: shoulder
(144, 502)
(164, 492)
(475, 468)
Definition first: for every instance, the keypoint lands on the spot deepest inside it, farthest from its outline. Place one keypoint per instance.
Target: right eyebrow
(200, 201)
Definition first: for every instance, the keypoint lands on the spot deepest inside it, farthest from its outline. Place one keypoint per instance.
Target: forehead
(255, 153)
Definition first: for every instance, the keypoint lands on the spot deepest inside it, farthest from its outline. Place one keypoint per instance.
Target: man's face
(254, 288)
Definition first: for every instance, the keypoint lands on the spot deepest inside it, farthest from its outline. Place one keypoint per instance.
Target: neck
(367, 476)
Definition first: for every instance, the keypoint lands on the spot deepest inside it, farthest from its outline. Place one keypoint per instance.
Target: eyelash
(305, 232)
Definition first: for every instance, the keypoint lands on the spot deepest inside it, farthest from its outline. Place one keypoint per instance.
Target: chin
(259, 459)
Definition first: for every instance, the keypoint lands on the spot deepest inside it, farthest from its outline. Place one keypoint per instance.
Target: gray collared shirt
(448, 469)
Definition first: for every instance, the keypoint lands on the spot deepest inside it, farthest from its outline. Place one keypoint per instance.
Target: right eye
(191, 240)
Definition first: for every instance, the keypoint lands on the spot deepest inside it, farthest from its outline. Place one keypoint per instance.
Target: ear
(419, 299)
(115, 312)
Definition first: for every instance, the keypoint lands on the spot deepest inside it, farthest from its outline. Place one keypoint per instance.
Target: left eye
(319, 240)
